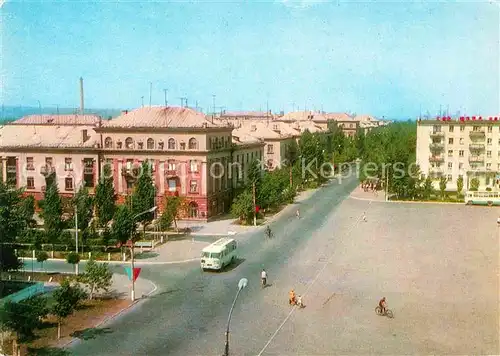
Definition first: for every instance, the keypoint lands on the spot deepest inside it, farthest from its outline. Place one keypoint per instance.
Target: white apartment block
(467, 147)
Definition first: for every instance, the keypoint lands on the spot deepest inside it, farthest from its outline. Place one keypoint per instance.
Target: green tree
(143, 197)
(97, 277)
(105, 198)
(24, 317)
(41, 257)
(66, 300)
(474, 184)
(123, 227)
(460, 185)
(443, 181)
(13, 223)
(174, 206)
(52, 211)
(308, 148)
(291, 158)
(427, 189)
(73, 258)
(243, 207)
(27, 210)
(84, 207)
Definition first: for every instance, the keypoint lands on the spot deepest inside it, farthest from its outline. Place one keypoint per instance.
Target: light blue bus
(482, 198)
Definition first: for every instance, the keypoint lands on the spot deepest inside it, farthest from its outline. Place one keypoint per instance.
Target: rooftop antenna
(213, 102)
(440, 109)
(447, 109)
(182, 101)
(165, 91)
(81, 96)
(142, 99)
(150, 90)
(267, 111)
(420, 115)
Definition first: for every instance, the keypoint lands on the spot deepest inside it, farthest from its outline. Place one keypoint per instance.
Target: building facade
(468, 147)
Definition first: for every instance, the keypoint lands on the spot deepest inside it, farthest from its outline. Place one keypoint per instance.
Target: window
(475, 128)
(68, 165)
(161, 144)
(129, 143)
(30, 166)
(450, 165)
(490, 129)
(108, 142)
(130, 184)
(462, 128)
(461, 140)
(269, 163)
(150, 144)
(488, 154)
(68, 183)
(450, 141)
(193, 144)
(489, 141)
(193, 186)
(193, 166)
(488, 165)
(450, 153)
(498, 166)
(171, 165)
(171, 144)
(270, 149)
(449, 177)
(451, 128)
(140, 145)
(48, 161)
(182, 146)
(461, 153)
(172, 185)
(30, 183)
(460, 165)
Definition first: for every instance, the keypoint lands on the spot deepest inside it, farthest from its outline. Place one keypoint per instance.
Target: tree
(97, 277)
(427, 188)
(73, 258)
(41, 257)
(442, 186)
(84, 207)
(24, 317)
(174, 206)
(291, 158)
(123, 226)
(474, 184)
(13, 223)
(143, 197)
(52, 211)
(66, 300)
(104, 199)
(243, 207)
(27, 209)
(460, 184)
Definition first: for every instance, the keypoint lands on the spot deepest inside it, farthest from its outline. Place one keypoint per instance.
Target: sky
(389, 59)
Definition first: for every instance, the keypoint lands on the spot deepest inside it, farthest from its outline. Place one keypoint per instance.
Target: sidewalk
(360, 194)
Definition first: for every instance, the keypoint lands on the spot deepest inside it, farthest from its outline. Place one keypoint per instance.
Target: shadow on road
(145, 255)
(48, 351)
(91, 333)
(230, 267)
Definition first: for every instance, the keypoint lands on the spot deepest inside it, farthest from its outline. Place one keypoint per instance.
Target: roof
(47, 136)
(309, 126)
(161, 117)
(303, 116)
(218, 246)
(242, 138)
(74, 119)
(259, 130)
(249, 114)
(338, 116)
(287, 128)
(365, 118)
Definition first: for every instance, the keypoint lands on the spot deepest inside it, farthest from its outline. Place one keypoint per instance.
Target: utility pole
(254, 206)
(150, 90)
(142, 100)
(387, 184)
(213, 106)
(165, 91)
(76, 234)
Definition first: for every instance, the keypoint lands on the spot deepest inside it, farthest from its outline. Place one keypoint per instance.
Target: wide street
(436, 264)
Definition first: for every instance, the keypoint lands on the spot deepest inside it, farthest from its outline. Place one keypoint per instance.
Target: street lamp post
(132, 294)
(76, 234)
(241, 284)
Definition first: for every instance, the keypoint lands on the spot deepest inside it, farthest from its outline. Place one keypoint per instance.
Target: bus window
(215, 255)
(205, 254)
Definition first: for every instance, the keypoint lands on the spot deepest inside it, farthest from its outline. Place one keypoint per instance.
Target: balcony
(47, 170)
(88, 170)
(436, 146)
(439, 159)
(437, 134)
(476, 146)
(478, 133)
(477, 159)
(11, 169)
(171, 172)
(131, 173)
(436, 171)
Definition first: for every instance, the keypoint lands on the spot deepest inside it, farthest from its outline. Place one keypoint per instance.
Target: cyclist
(382, 304)
(263, 277)
(268, 232)
(297, 213)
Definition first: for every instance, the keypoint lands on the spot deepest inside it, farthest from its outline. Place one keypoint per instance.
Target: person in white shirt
(263, 277)
(299, 301)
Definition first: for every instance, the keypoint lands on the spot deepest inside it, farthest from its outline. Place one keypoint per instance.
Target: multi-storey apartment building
(190, 156)
(239, 118)
(467, 147)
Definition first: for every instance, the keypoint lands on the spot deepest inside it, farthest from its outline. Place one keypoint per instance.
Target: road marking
(307, 290)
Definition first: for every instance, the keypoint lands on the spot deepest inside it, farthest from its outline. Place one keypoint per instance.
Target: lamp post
(132, 294)
(241, 284)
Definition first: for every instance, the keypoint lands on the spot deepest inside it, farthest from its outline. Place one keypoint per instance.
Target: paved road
(188, 314)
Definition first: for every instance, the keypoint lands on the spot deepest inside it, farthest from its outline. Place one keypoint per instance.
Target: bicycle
(388, 312)
(269, 233)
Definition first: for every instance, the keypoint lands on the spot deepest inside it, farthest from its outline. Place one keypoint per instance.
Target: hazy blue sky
(382, 58)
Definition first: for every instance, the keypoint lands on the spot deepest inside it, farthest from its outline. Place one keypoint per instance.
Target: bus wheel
(469, 202)
(490, 203)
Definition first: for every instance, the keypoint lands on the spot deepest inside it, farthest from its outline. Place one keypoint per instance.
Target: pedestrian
(364, 217)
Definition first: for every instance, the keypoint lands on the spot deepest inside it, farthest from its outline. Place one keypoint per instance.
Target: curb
(405, 201)
(118, 313)
(121, 262)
